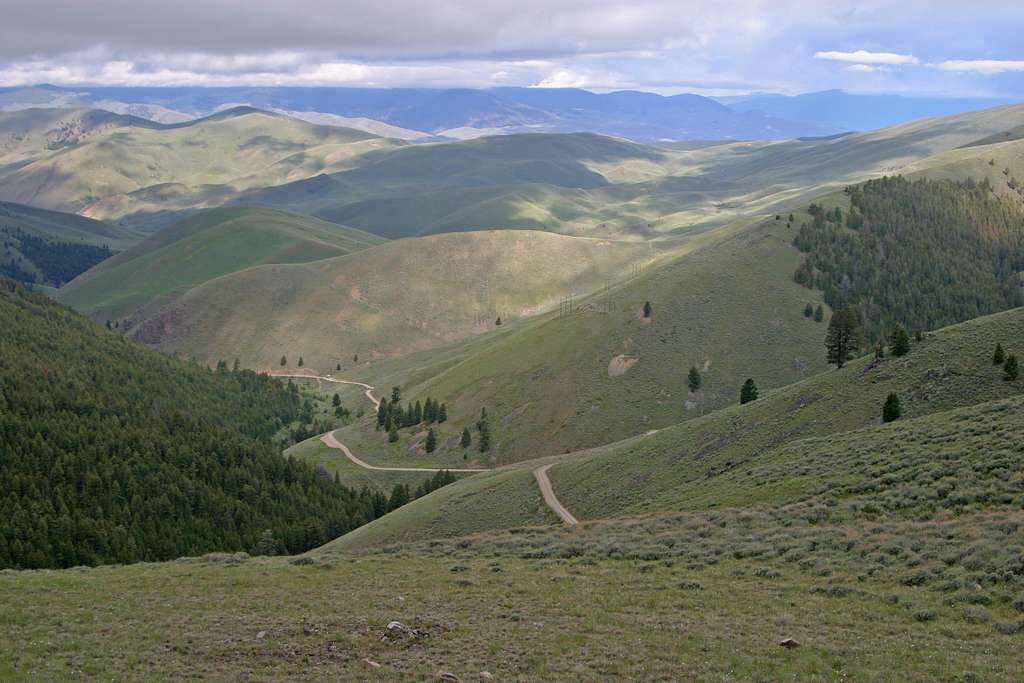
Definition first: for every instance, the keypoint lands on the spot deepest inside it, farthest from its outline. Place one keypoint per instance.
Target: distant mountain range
(432, 114)
(849, 112)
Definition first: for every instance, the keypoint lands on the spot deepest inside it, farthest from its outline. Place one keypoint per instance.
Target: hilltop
(205, 246)
(123, 168)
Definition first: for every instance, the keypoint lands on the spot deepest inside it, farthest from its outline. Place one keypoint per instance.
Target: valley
(578, 406)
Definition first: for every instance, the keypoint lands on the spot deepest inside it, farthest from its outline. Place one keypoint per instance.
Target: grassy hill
(203, 247)
(50, 248)
(695, 465)
(886, 551)
(393, 298)
(589, 185)
(115, 167)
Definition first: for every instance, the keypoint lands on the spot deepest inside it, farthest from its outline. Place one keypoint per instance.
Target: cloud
(865, 68)
(981, 66)
(863, 57)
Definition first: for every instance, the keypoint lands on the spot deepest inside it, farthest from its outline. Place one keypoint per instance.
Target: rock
(370, 663)
(789, 643)
(396, 629)
(261, 635)
(447, 676)
(486, 676)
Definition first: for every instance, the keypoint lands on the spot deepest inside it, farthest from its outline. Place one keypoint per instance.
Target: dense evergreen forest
(56, 262)
(924, 253)
(110, 452)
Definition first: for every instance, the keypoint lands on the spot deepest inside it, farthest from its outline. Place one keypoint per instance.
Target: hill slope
(110, 167)
(205, 246)
(50, 247)
(110, 452)
(392, 298)
(696, 465)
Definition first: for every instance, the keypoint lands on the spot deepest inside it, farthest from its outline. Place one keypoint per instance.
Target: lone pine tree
(999, 356)
(284, 361)
(842, 337)
(1010, 369)
(891, 410)
(748, 392)
(693, 380)
(647, 309)
(431, 442)
(808, 311)
(467, 438)
(899, 341)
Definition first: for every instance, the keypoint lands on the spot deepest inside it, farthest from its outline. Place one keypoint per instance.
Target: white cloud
(864, 57)
(981, 66)
(864, 68)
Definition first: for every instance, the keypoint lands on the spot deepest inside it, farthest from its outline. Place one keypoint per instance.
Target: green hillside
(590, 185)
(691, 466)
(50, 248)
(202, 247)
(393, 298)
(884, 552)
(119, 168)
(112, 453)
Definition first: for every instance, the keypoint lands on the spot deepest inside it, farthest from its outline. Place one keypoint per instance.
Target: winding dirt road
(329, 440)
(541, 474)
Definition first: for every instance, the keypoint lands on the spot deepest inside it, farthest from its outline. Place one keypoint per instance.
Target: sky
(711, 47)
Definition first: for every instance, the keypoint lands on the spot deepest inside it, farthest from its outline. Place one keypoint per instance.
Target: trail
(368, 392)
(541, 474)
(329, 440)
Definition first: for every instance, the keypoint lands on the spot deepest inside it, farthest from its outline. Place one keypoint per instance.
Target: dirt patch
(620, 365)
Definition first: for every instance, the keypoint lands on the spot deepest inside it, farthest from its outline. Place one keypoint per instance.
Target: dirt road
(541, 474)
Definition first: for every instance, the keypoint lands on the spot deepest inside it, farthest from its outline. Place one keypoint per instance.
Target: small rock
(447, 676)
(486, 676)
(789, 643)
(261, 635)
(370, 663)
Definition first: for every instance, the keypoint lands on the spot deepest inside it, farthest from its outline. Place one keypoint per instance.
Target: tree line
(55, 262)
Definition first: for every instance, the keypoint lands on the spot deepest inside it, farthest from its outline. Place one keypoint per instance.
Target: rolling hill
(50, 248)
(392, 298)
(783, 448)
(207, 245)
(123, 168)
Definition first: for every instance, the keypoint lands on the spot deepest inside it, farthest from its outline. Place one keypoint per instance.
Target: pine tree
(336, 400)
(284, 361)
(442, 413)
(808, 310)
(748, 392)
(338, 367)
(647, 309)
(393, 433)
(899, 341)
(300, 361)
(1010, 369)
(399, 496)
(999, 356)
(819, 314)
(879, 351)
(382, 414)
(236, 366)
(694, 380)
(485, 437)
(467, 438)
(355, 358)
(498, 322)
(891, 410)
(842, 337)
(396, 394)
(431, 442)
(267, 545)
(417, 414)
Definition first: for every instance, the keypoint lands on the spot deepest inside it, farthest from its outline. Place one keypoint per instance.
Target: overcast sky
(719, 47)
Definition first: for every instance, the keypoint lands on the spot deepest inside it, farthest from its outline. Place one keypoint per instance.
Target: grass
(123, 169)
(493, 608)
(201, 248)
(790, 444)
(393, 298)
